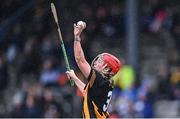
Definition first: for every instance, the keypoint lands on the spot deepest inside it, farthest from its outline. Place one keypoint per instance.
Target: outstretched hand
(78, 30)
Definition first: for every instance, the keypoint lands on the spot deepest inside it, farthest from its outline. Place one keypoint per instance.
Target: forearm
(78, 51)
(79, 84)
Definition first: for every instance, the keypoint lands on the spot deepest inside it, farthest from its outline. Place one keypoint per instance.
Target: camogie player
(98, 91)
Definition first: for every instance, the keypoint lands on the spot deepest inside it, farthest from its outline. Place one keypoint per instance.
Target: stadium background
(32, 78)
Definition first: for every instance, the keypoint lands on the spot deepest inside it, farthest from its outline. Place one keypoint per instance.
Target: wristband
(77, 39)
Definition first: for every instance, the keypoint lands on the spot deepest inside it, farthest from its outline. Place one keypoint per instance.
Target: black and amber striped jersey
(98, 93)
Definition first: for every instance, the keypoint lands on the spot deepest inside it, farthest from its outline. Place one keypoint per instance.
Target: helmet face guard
(113, 64)
(95, 59)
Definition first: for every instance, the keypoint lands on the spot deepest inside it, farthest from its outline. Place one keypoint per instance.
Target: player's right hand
(71, 74)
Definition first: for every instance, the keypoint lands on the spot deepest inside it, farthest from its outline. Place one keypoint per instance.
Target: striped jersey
(98, 93)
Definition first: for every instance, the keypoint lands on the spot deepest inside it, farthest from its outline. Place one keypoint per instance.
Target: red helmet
(112, 62)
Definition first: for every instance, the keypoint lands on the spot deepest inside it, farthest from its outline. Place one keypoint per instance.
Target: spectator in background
(30, 108)
(125, 78)
(164, 87)
(3, 74)
(17, 105)
(29, 60)
(175, 82)
(51, 108)
(158, 21)
(175, 77)
(48, 47)
(49, 73)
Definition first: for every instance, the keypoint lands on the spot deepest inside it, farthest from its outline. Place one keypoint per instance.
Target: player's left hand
(78, 30)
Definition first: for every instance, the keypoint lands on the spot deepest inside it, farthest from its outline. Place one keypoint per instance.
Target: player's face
(98, 64)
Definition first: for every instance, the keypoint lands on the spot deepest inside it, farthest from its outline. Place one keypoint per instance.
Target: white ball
(81, 23)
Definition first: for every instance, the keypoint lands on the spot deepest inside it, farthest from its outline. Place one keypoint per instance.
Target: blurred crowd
(33, 82)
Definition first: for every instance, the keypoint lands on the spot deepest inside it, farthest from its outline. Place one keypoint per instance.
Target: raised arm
(78, 51)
